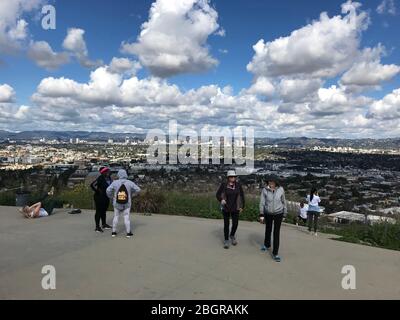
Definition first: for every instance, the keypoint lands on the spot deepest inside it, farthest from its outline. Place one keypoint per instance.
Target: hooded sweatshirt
(273, 202)
(132, 188)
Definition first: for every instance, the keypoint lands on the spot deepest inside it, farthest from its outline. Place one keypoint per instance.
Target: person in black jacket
(231, 196)
(101, 200)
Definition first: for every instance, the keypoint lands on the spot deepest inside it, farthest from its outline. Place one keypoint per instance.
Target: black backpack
(122, 195)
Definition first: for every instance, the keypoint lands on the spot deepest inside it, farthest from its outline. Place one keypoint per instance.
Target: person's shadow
(256, 239)
(218, 233)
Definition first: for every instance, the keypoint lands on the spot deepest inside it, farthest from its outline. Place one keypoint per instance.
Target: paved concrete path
(173, 257)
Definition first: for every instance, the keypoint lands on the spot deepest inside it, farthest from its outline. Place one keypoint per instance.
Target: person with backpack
(273, 209)
(231, 196)
(122, 191)
(101, 200)
(314, 211)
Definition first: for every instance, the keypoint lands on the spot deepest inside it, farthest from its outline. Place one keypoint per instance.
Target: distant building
(346, 217)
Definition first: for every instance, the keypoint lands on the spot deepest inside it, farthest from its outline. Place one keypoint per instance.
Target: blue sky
(107, 24)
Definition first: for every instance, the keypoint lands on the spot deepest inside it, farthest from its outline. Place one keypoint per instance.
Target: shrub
(7, 198)
(384, 234)
(149, 201)
(81, 196)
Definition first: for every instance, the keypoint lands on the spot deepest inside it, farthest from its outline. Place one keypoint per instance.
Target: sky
(327, 69)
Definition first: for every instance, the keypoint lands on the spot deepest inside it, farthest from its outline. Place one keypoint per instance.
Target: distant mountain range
(389, 143)
(67, 135)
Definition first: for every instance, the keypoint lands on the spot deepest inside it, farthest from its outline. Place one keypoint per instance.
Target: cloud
(11, 115)
(387, 108)
(75, 43)
(174, 39)
(44, 56)
(323, 48)
(368, 70)
(295, 89)
(124, 65)
(262, 86)
(132, 104)
(129, 104)
(13, 28)
(335, 101)
(298, 89)
(7, 94)
(113, 100)
(387, 7)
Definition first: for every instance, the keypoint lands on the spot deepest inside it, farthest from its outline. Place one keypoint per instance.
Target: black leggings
(313, 217)
(48, 203)
(101, 209)
(235, 223)
(276, 220)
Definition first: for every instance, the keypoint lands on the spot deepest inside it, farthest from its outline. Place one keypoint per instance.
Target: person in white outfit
(302, 213)
(121, 192)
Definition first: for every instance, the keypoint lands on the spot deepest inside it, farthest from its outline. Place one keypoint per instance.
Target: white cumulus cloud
(387, 108)
(76, 44)
(7, 93)
(323, 48)
(368, 70)
(174, 39)
(13, 27)
(44, 56)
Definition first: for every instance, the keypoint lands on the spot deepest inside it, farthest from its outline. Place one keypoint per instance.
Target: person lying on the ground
(49, 203)
(43, 206)
(34, 211)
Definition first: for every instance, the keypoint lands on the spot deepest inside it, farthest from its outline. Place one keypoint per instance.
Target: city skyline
(293, 69)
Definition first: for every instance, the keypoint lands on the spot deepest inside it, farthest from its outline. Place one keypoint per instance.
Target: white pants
(127, 221)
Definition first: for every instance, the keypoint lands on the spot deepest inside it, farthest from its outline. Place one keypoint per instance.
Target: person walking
(273, 209)
(122, 191)
(314, 211)
(231, 197)
(101, 200)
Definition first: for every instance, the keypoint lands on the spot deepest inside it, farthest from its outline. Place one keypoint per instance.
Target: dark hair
(313, 191)
(273, 178)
